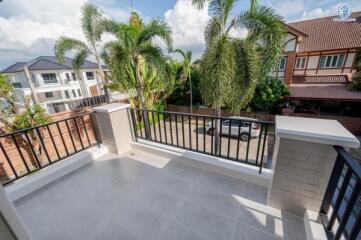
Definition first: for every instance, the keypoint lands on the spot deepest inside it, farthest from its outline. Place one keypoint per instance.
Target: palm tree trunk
(103, 79)
(190, 94)
(217, 137)
(140, 90)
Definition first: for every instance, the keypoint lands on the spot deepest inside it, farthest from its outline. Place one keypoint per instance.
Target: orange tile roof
(327, 34)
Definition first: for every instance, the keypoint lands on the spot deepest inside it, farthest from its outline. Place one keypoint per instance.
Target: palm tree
(186, 73)
(133, 53)
(231, 67)
(92, 28)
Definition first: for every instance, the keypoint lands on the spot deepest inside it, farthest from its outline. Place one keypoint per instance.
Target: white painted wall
(290, 46)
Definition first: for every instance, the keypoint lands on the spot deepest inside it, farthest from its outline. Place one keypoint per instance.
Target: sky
(29, 28)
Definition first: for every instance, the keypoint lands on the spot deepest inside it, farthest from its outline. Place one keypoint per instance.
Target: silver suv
(242, 123)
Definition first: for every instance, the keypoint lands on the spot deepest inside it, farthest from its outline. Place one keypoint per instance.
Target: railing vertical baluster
(183, 131)
(154, 128)
(176, 128)
(62, 139)
(32, 149)
(220, 137)
(71, 136)
(190, 131)
(204, 134)
(86, 130)
(43, 145)
(212, 136)
(8, 160)
(20, 153)
(263, 148)
(197, 133)
(160, 132)
(340, 197)
(171, 129)
(229, 137)
(349, 208)
(95, 128)
(140, 115)
(165, 129)
(356, 228)
(134, 124)
(148, 123)
(259, 143)
(238, 139)
(248, 141)
(78, 131)
(53, 142)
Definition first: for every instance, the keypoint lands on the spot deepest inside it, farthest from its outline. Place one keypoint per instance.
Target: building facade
(53, 85)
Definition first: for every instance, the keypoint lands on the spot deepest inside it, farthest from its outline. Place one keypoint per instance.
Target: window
(79, 92)
(49, 78)
(74, 76)
(49, 95)
(90, 75)
(332, 61)
(282, 65)
(17, 85)
(67, 77)
(300, 63)
(74, 94)
(67, 94)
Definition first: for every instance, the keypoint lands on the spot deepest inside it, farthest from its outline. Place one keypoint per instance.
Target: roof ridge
(316, 19)
(40, 58)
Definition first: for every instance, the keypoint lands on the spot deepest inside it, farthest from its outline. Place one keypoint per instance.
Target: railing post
(115, 127)
(303, 161)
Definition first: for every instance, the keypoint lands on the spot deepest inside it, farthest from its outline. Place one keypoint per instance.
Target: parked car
(238, 124)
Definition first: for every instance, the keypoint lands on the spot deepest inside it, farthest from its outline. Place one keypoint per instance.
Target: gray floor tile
(246, 232)
(172, 185)
(183, 171)
(205, 222)
(160, 202)
(222, 203)
(109, 231)
(293, 227)
(178, 232)
(255, 193)
(223, 183)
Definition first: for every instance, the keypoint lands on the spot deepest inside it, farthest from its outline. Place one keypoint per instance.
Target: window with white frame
(74, 76)
(79, 92)
(49, 95)
(282, 65)
(90, 75)
(332, 61)
(300, 62)
(67, 95)
(67, 75)
(74, 94)
(49, 78)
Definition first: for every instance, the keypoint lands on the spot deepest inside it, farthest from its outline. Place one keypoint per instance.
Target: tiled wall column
(303, 160)
(115, 127)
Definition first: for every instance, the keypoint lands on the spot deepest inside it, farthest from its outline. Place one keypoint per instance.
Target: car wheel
(210, 131)
(244, 137)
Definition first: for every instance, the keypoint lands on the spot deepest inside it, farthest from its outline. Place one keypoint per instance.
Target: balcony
(104, 179)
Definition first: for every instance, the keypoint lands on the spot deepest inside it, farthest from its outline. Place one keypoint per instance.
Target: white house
(51, 84)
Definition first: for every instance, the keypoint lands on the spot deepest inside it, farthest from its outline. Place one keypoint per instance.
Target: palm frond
(64, 45)
(156, 28)
(80, 58)
(90, 22)
(213, 30)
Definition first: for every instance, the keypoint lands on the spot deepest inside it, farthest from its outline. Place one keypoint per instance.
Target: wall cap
(111, 107)
(322, 131)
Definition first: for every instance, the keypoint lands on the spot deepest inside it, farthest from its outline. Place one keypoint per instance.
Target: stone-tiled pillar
(115, 127)
(303, 160)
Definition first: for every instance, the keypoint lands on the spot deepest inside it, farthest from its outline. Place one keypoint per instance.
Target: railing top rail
(206, 116)
(44, 125)
(350, 161)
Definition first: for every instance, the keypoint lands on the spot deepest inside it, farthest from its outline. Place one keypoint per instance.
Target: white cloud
(319, 12)
(187, 25)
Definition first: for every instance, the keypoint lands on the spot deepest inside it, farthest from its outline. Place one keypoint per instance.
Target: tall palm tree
(186, 73)
(231, 67)
(133, 51)
(92, 28)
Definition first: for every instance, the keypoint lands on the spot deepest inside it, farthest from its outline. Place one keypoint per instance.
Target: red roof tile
(327, 34)
(320, 79)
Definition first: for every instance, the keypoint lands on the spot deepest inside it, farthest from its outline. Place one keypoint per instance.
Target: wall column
(291, 58)
(303, 160)
(115, 127)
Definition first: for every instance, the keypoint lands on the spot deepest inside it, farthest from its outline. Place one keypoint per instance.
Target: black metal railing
(237, 139)
(341, 207)
(28, 150)
(80, 103)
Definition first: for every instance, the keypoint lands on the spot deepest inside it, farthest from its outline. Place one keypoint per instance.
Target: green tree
(356, 78)
(92, 27)
(133, 54)
(186, 73)
(231, 67)
(269, 92)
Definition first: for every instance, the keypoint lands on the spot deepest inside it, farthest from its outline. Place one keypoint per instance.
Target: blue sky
(30, 28)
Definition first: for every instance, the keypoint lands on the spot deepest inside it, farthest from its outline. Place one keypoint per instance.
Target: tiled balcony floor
(143, 196)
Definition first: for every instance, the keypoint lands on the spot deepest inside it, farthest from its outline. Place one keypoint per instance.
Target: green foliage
(232, 67)
(32, 116)
(5, 87)
(356, 78)
(269, 92)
